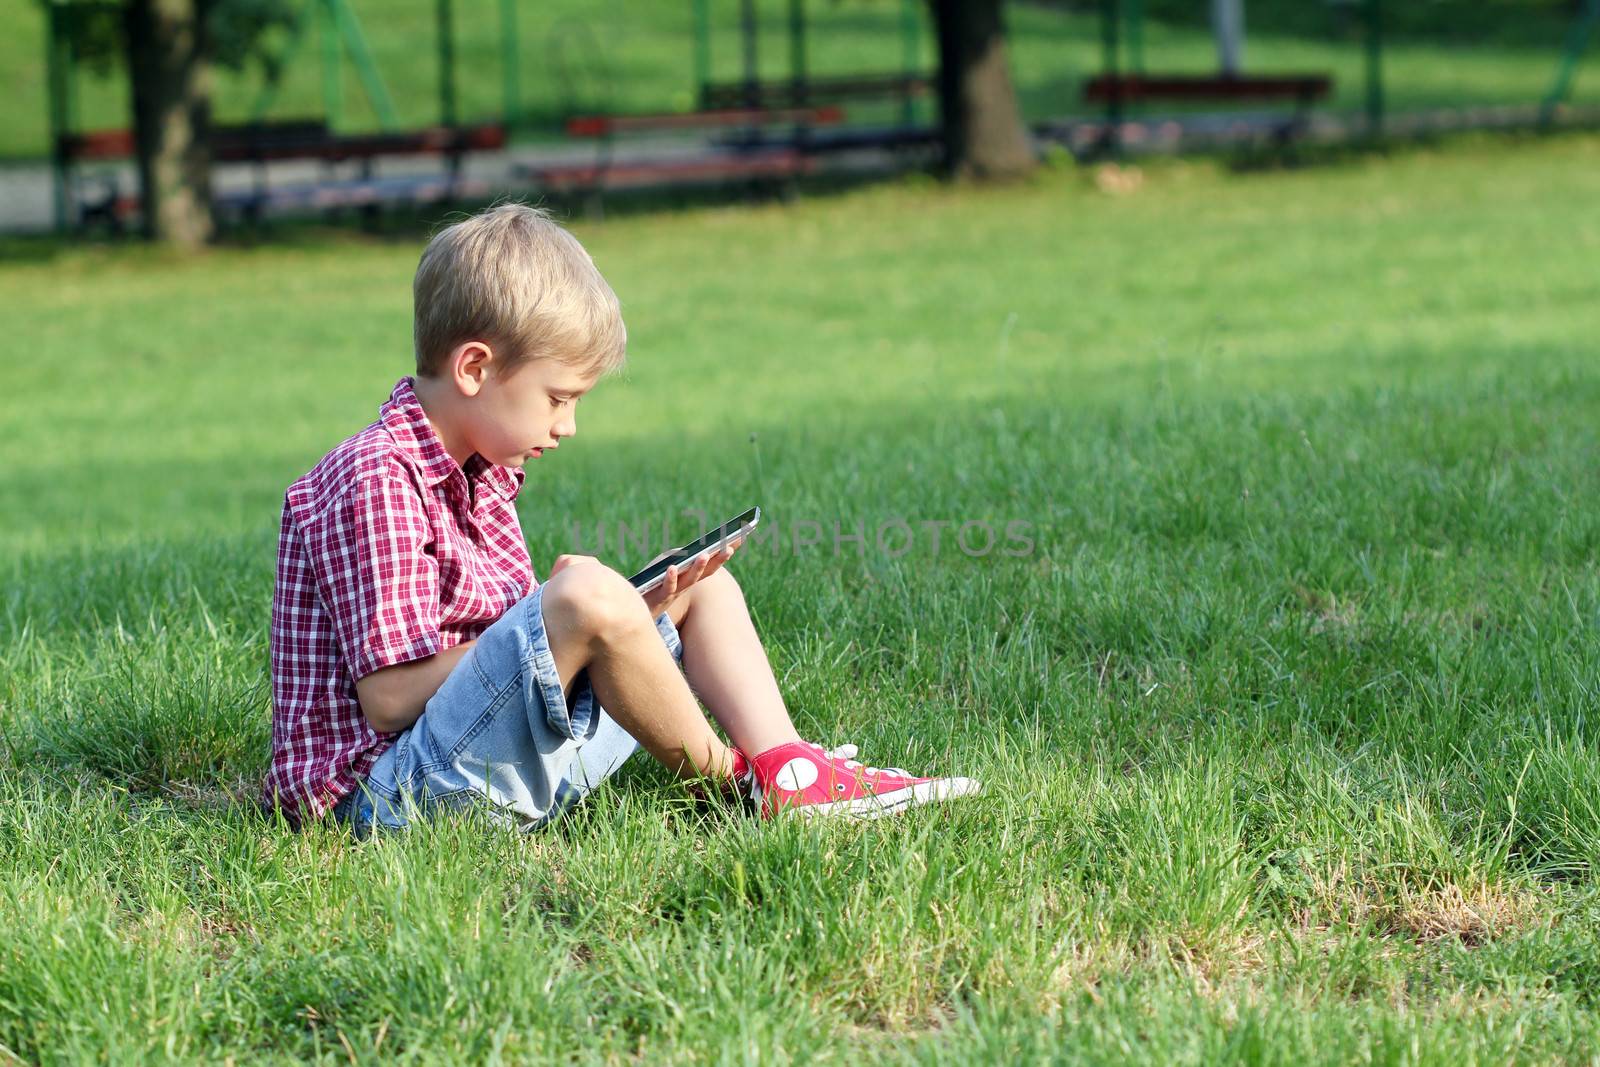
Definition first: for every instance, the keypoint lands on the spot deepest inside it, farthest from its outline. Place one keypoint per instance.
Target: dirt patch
(885, 1028)
(1208, 960)
(1470, 914)
(1329, 614)
(1084, 964)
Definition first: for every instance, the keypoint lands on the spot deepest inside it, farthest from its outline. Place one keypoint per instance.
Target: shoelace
(847, 753)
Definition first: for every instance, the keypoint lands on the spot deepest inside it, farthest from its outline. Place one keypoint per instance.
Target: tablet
(732, 530)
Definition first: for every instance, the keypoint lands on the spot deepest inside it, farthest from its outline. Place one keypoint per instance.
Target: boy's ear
(470, 364)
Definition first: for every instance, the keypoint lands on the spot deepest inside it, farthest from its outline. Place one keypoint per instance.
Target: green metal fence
(531, 62)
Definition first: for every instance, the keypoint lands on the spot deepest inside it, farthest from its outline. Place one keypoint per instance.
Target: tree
(169, 48)
(169, 72)
(982, 125)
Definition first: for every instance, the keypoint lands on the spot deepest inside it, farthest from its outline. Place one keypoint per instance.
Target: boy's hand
(679, 579)
(566, 560)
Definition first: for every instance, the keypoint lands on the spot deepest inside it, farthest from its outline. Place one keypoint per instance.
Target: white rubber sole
(881, 804)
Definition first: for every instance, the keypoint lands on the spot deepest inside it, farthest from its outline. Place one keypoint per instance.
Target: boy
(416, 662)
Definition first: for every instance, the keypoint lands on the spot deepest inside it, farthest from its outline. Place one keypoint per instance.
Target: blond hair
(514, 279)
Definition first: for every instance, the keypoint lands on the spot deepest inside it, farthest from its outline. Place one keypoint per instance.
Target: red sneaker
(807, 779)
(739, 787)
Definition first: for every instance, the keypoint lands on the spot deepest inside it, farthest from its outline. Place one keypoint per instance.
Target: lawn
(637, 55)
(1286, 711)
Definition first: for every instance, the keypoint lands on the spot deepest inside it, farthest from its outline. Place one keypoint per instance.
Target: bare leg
(595, 619)
(727, 667)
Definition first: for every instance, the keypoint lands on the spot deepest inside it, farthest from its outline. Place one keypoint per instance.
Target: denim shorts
(499, 733)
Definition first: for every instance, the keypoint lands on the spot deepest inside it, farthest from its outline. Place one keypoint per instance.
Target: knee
(715, 593)
(595, 601)
(719, 583)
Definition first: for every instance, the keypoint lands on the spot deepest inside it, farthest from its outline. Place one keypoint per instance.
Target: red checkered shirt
(389, 552)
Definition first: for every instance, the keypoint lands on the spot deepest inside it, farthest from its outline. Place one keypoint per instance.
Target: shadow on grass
(34, 249)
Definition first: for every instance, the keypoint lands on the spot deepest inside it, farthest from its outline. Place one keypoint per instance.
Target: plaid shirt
(389, 552)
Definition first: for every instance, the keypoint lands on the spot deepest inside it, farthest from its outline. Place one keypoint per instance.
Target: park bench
(367, 190)
(812, 91)
(1116, 91)
(268, 142)
(1304, 89)
(737, 151)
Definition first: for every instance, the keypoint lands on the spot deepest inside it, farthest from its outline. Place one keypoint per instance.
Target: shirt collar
(491, 479)
(407, 423)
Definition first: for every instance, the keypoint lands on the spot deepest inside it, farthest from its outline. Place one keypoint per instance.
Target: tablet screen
(713, 539)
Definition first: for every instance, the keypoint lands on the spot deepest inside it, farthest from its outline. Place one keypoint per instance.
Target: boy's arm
(392, 698)
(378, 579)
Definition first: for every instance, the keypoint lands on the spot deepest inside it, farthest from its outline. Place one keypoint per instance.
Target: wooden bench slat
(361, 192)
(741, 159)
(119, 144)
(604, 125)
(818, 90)
(307, 139)
(771, 164)
(1132, 87)
(299, 140)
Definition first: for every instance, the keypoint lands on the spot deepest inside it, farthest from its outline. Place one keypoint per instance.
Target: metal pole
(447, 62)
(1227, 23)
(1136, 36)
(510, 61)
(752, 72)
(1110, 58)
(367, 70)
(1577, 44)
(702, 50)
(332, 76)
(1374, 12)
(910, 57)
(58, 83)
(797, 52)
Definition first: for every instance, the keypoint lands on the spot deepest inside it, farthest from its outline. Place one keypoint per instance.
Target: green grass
(636, 55)
(1288, 717)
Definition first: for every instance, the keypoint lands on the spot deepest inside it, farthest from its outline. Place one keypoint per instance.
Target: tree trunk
(170, 71)
(983, 132)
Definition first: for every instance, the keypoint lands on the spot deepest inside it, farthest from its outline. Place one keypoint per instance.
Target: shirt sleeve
(377, 575)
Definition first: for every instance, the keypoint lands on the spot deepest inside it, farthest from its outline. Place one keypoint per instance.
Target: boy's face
(516, 417)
